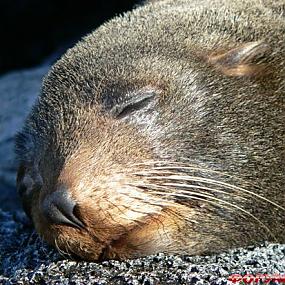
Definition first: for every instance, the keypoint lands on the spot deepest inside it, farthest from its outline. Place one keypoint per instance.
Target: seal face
(162, 131)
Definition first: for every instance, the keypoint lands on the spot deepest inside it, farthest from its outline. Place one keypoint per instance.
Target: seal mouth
(155, 207)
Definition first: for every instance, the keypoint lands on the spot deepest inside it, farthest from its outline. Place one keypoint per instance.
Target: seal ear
(133, 102)
(242, 60)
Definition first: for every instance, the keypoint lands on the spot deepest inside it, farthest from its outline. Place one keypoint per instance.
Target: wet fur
(205, 147)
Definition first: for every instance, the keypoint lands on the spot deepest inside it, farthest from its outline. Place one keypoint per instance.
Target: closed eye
(135, 104)
(126, 104)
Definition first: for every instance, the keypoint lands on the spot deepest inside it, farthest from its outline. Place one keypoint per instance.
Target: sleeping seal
(162, 131)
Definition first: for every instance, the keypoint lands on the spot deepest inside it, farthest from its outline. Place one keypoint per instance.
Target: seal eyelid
(134, 102)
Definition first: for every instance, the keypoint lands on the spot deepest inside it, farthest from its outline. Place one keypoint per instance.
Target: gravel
(25, 259)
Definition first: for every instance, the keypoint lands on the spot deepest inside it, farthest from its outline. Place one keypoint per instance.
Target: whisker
(69, 250)
(153, 202)
(61, 252)
(213, 182)
(198, 187)
(213, 198)
(152, 187)
(179, 165)
(184, 166)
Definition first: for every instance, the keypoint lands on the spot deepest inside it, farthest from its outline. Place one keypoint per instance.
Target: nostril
(59, 208)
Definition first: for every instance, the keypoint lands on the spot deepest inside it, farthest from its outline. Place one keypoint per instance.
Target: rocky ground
(25, 259)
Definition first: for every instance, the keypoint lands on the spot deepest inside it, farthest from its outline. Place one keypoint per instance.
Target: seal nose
(59, 208)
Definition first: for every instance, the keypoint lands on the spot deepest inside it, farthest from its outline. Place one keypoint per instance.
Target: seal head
(162, 131)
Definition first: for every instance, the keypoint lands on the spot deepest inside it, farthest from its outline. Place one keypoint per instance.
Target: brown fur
(166, 125)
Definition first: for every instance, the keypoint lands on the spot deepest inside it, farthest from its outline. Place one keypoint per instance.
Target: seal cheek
(156, 233)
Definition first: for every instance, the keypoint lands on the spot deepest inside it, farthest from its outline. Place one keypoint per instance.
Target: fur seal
(162, 131)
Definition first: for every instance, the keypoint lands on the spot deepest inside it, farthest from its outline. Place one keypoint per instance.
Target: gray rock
(18, 91)
(25, 259)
